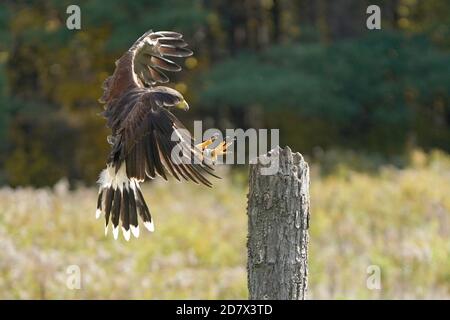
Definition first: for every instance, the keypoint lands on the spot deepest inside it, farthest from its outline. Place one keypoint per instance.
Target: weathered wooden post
(278, 220)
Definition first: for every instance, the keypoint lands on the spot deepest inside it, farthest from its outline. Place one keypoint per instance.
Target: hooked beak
(182, 105)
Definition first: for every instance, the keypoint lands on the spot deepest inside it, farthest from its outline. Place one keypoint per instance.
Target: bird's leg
(221, 149)
(201, 150)
(210, 154)
(202, 146)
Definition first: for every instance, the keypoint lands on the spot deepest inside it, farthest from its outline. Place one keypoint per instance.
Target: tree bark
(278, 221)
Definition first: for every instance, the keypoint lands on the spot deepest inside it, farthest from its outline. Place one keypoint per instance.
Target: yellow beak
(182, 105)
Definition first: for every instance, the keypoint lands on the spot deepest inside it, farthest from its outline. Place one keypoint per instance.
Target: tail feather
(109, 198)
(125, 214)
(98, 212)
(116, 212)
(133, 214)
(120, 200)
(144, 212)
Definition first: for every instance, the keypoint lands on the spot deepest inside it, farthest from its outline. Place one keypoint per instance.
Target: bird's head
(171, 98)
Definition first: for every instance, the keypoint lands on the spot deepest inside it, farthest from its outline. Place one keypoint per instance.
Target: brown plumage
(138, 113)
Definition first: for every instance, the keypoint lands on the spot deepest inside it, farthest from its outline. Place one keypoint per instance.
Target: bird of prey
(138, 112)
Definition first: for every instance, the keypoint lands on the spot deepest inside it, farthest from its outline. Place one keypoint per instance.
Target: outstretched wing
(137, 112)
(148, 138)
(143, 65)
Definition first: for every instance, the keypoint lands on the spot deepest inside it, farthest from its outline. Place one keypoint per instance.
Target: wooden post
(278, 221)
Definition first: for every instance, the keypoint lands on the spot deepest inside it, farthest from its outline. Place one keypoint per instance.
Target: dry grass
(397, 219)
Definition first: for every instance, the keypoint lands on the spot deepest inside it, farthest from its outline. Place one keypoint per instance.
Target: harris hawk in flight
(138, 112)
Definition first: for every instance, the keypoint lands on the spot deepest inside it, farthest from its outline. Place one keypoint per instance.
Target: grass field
(395, 219)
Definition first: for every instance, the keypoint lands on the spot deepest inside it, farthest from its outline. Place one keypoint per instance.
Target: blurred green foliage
(374, 92)
(309, 68)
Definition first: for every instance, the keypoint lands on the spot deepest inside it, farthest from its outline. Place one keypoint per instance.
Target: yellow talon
(221, 149)
(202, 146)
(210, 155)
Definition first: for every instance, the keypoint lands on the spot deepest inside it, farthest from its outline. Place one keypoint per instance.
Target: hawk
(138, 112)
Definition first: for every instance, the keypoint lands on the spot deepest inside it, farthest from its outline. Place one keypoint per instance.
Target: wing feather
(147, 134)
(143, 64)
